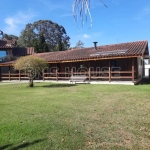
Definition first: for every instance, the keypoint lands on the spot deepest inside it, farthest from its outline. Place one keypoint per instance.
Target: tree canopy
(40, 45)
(31, 65)
(52, 32)
(79, 44)
(10, 36)
(1, 34)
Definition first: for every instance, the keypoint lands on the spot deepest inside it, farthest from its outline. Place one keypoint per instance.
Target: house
(124, 61)
(10, 47)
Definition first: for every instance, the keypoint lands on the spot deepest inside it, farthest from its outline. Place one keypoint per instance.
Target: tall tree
(51, 31)
(40, 45)
(27, 37)
(60, 46)
(79, 44)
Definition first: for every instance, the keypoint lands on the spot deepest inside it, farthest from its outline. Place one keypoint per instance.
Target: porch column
(43, 74)
(0, 73)
(71, 71)
(133, 70)
(19, 76)
(9, 72)
(89, 74)
(109, 72)
(56, 75)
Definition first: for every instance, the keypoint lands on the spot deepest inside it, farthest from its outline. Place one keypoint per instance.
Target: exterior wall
(101, 69)
(5, 69)
(123, 64)
(140, 67)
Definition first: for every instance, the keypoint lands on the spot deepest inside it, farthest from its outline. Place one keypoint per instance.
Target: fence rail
(66, 75)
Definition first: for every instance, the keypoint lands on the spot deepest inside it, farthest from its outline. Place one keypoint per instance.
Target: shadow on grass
(5, 146)
(23, 145)
(57, 85)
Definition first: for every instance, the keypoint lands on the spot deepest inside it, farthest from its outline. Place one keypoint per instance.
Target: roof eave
(94, 59)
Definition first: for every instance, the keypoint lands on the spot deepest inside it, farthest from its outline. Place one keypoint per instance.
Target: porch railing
(91, 75)
(13, 76)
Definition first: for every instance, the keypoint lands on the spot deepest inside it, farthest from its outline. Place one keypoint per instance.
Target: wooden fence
(91, 75)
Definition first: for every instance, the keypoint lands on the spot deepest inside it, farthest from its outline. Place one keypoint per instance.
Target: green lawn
(74, 117)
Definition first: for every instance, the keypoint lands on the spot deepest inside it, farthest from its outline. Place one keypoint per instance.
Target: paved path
(35, 81)
(65, 82)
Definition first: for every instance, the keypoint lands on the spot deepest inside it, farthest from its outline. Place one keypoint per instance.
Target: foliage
(27, 37)
(51, 31)
(31, 65)
(79, 44)
(40, 45)
(60, 46)
(10, 37)
(1, 34)
(7, 58)
(73, 117)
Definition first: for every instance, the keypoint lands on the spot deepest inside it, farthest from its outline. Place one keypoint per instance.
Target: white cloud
(86, 36)
(14, 23)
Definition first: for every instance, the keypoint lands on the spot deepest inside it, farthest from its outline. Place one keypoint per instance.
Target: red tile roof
(6, 44)
(131, 49)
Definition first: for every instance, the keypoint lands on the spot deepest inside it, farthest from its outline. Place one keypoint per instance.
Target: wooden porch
(95, 71)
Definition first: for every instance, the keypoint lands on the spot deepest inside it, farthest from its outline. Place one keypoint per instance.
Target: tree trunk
(31, 81)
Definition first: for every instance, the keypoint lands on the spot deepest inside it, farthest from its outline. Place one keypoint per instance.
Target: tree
(79, 44)
(60, 46)
(8, 58)
(51, 31)
(82, 8)
(10, 37)
(40, 45)
(1, 34)
(27, 37)
(31, 65)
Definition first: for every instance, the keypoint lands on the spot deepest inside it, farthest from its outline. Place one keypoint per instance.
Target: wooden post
(133, 70)
(43, 74)
(56, 75)
(71, 71)
(19, 76)
(89, 74)
(109, 72)
(0, 73)
(9, 72)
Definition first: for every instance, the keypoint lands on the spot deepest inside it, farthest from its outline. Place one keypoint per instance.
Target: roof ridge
(123, 43)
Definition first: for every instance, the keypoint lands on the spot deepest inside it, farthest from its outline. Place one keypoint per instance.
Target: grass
(74, 117)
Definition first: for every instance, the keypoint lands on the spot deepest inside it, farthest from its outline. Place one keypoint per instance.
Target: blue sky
(122, 21)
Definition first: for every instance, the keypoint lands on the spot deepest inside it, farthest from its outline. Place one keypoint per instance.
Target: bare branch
(81, 8)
